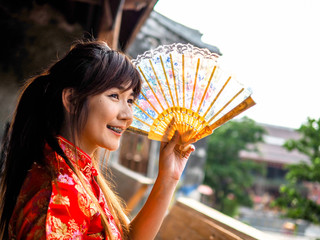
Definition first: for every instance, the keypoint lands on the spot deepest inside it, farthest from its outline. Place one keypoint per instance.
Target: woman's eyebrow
(123, 89)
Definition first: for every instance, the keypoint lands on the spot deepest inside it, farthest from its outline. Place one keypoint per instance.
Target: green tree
(293, 200)
(229, 176)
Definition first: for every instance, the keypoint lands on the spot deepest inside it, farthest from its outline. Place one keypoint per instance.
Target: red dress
(60, 208)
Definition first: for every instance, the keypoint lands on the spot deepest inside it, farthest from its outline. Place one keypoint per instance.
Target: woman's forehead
(124, 88)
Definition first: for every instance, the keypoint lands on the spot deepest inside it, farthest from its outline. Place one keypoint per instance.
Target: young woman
(51, 186)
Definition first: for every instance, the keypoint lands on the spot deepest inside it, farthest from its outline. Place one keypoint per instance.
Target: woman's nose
(126, 112)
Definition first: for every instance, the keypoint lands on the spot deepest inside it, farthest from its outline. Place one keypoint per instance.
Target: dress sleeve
(70, 210)
(29, 222)
(28, 219)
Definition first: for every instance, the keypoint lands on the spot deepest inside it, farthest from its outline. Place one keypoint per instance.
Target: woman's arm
(171, 164)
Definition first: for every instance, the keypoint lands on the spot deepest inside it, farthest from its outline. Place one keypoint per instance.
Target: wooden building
(37, 32)
(274, 157)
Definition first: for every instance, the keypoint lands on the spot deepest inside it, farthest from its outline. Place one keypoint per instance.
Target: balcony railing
(190, 219)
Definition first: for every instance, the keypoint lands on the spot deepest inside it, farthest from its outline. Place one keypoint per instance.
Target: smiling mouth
(115, 129)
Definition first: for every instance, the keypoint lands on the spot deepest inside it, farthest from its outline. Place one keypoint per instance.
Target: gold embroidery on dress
(87, 169)
(86, 205)
(61, 200)
(60, 230)
(96, 235)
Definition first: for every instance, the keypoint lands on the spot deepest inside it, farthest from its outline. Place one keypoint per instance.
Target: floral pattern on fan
(185, 89)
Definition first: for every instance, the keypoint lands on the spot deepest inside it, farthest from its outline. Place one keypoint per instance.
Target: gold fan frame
(166, 120)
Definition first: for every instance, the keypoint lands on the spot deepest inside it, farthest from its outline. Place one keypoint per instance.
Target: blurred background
(260, 170)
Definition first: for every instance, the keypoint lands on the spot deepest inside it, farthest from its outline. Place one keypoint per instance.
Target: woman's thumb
(174, 141)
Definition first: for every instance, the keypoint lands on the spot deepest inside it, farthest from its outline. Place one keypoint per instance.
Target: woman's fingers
(184, 151)
(172, 143)
(191, 149)
(185, 147)
(192, 140)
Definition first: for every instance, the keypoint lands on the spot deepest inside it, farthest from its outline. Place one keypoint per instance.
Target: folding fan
(185, 89)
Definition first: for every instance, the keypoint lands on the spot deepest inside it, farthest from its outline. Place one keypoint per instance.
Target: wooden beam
(135, 5)
(91, 2)
(139, 23)
(111, 22)
(106, 22)
(117, 25)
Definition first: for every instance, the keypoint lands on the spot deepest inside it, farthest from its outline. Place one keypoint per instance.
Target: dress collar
(77, 156)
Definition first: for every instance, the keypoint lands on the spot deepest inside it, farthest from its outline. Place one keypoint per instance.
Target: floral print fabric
(60, 208)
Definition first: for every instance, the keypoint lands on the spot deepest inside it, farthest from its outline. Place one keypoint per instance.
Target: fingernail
(193, 148)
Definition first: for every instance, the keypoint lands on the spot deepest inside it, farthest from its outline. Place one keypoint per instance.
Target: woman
(51, 187)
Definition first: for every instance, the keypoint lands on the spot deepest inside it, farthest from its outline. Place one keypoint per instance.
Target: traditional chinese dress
(59, 207)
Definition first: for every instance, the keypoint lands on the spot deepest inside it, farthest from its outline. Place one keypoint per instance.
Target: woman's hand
(174, 157)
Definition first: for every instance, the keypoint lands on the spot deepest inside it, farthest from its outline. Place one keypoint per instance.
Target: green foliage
(293, 200)
(229, 176)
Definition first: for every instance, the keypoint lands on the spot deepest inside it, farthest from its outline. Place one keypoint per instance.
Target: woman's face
(109, 115)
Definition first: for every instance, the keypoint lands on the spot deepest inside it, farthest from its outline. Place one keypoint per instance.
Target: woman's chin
(113, 148)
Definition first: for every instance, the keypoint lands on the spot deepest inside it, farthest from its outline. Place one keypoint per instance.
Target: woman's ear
(67, 96)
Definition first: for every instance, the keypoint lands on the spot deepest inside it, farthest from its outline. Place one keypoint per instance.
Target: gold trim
(151, 88)
(241, 107)
(160, 85)
(195, 82)
(143, 111)
(142, 121)
(145, 97)
(174, 79)
(226, 105)
(138, 131)
(205, 92)
(165, 74)
(225, 84)
(183, 83)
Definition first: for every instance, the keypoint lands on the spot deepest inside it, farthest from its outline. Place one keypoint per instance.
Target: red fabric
(49, 208)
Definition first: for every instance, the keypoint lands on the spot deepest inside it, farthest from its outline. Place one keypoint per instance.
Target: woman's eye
(114, 96)
(130, 101)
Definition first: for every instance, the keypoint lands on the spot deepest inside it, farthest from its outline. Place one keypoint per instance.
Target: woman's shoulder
(37, 180)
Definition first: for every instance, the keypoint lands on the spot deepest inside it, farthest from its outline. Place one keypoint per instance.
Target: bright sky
(271, 45)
